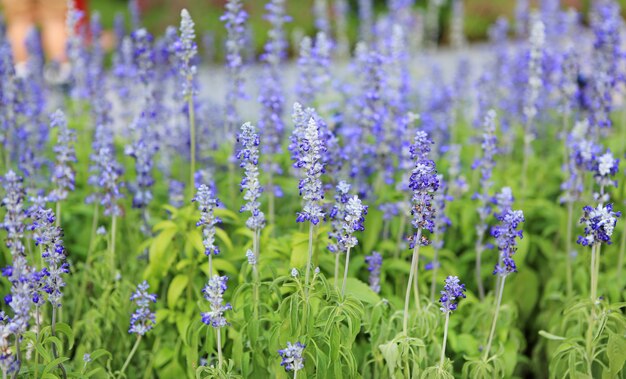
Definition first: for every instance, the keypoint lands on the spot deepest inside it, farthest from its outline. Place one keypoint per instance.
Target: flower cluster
(63, 175)
(106, 177)
(143, 319)
(14, 217)
(604, 167)
(292, 355)
(235, 19)
(206, 205)
(337, 216)
(506, 235)
(599, 224)
(49, 238)
(424, 183)
(453, 291)
(143, 55)
(486, 164)
(537, 41)
(214, 294)
(374, 262)
(249, 157)
(309, 159)
(186, 50)
(353, 221)
(142, 150)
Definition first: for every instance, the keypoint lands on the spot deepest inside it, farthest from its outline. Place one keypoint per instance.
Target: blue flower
(143, 319)
(374, 262)
(206, 205)
(214, 294)
(424, 183)
(49, 238)
(599, 224)
(506, 235)
(63, 175)
(249, 157)
(452, 292)
(186, 50)
(293, 359)
(309, 160)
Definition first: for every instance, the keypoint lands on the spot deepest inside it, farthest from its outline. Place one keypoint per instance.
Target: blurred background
(156, 15)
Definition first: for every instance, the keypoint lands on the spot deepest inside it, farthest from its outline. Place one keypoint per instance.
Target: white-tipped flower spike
(292, 356)
(310, 161)
(63, 175)
(355, 216)
(186, 50)
(206, 205)
(537, 41)
(214, 294)
(249, 157)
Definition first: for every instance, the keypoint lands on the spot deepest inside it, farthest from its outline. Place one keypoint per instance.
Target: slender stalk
(308, 262)
(192, 141)
(407, 297)
(37, 341)
(112, 247)
(336, 268)
(620, 259)
(210, 265)
(295, 374)
(479, 277)
(219, 348)
(527, 147)
(255, 247)
(271, 200)
(445, 338)
(345, 273)
(400, 235)
(83, 280)
(594, 283)
(495, 317)
(130, 356)
(568, 249)
(433, 284)
(58, 214)
(54, 347)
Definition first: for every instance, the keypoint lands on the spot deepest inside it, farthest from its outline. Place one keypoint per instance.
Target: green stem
(112, 247)
(620, 259)
(255, 248)
(445, 338)
(130, 356)
(400, 235)
(407, 297)
(568, 248)
(433, 284)
(219, 349)
(271, 200)
(594, 280)
(308, 262)
(479, 277)
(527, 140)
(495, 317)
(192, 141)
(345, 273)
(83, 280)
(37, 341)
(336, 268)
(58, 214)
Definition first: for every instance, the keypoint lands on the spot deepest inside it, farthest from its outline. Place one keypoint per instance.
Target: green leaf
(176, 287)
(361, 291)
(66, 330)
(550, 336)
(616, 351)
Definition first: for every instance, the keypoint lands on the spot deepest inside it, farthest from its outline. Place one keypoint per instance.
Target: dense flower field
(383, 224)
